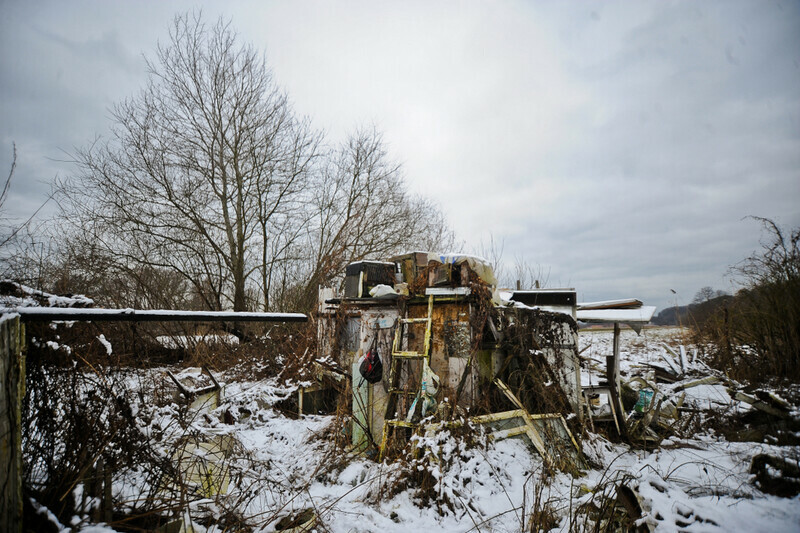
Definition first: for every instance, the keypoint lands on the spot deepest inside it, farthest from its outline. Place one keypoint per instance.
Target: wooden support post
(300, 402)
(12, 390)
(615, 376)
(612, 374)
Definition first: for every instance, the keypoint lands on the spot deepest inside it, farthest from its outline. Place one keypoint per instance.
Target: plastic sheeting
(480, 266)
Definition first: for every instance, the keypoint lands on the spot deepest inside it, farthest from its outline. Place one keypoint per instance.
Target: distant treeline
(692, 314)
(755, 334)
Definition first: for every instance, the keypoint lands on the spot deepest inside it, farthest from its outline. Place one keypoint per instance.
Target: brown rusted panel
(411, 264)
(450, 337)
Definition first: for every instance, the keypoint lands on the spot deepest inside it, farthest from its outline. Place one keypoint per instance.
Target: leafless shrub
(422, 464)
(528, 372)
(14, 235)
(602, 511)
(756, 334)
(75, 416)
(211, 193)
(542, 514)
(90, 422)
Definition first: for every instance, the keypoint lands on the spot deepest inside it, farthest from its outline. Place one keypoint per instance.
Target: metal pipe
(48, 314)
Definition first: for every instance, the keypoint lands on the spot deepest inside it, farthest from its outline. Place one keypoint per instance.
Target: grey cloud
(618, 145)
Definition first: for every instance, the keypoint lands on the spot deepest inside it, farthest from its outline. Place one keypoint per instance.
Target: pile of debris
(679, 393)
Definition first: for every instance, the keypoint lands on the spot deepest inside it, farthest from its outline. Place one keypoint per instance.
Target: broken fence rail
(47, 314)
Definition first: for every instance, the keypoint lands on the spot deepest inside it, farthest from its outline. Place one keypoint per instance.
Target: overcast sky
(618, 145)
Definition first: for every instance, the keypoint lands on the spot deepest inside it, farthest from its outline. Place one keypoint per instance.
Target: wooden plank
(509, 433)
(510, 395)
(495, 417)
(710, 380)
(612, 374)
(402, 424)
(183, 390)
(300, 394)
(555, 428)
(761, 406)
(669, 361)
(531, 431)
(684, 363)
(536, 439)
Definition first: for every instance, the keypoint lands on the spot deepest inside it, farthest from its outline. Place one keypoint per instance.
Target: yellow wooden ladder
(399, 358)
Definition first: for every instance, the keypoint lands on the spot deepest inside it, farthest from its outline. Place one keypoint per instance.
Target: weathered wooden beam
(612, 376)
(761, 405)
(12, 390)
(510, 395)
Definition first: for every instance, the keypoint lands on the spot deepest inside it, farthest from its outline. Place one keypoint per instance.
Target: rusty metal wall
(451, 345)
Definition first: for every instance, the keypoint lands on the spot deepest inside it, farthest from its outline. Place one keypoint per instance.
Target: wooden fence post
(12, 390)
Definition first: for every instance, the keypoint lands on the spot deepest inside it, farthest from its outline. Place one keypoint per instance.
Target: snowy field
(278, 467)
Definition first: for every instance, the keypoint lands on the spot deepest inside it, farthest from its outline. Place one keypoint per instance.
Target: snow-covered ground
(279, 466)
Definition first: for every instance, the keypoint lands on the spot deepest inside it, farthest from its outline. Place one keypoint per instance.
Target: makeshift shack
(451, 346)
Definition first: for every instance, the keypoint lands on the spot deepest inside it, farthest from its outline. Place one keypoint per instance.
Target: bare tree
(530, 275)
(9, 228)
(361, 209)
(492, 252)
(704, 294)
(520, 274)
(7, 184)
(20, 241)
(209, 175)
(202, 172)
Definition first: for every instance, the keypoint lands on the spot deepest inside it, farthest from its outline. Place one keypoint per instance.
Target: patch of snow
(186, 341)
(56, 346)
(106, 344)
(283, 465)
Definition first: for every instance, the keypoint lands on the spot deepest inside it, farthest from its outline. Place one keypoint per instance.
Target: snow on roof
(504, 298)
(625, 303)
(642, 315)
